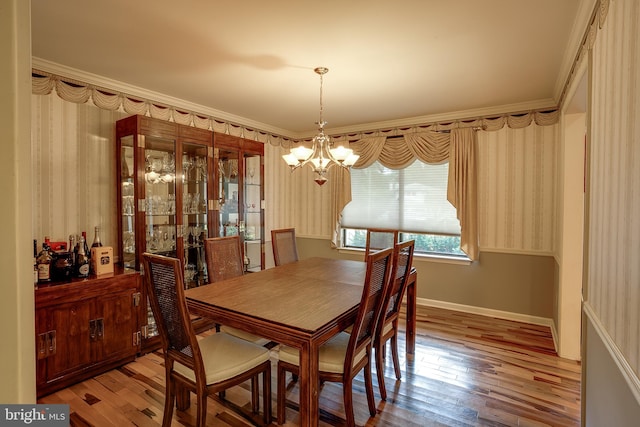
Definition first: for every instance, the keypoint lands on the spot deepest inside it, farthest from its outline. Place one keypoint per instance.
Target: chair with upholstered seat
(283, 242)
(380, 238)
(388, 322)
(225, 260)
(345, 355)
(202, 366)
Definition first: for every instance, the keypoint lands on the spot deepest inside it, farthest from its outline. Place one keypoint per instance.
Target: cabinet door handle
(100, 328)
(51, 338)
(92, 330)
(42, 345)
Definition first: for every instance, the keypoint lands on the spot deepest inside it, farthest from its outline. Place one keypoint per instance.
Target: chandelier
(322, 155)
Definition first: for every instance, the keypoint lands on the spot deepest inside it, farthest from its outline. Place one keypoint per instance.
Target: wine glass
(252, 172)
(187, 164)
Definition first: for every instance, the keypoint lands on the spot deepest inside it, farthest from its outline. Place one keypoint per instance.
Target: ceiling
(390, 63)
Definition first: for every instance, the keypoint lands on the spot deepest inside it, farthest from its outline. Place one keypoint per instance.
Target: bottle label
(83, 270)
(43, 272)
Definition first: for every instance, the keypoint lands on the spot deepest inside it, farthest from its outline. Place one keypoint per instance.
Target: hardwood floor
(468, 370)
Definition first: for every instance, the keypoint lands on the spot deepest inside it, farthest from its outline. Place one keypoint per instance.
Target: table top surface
(305, 295)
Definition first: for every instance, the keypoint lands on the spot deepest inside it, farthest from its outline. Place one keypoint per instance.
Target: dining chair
(202, 366)
(380, 238)
(225, 260)
(224, 257)
(283, 242)
(388, 321)
(345, 355)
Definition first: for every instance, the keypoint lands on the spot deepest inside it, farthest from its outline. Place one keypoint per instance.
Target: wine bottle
(96, 238)
(44, 261)
(82, 260)
(87, 252)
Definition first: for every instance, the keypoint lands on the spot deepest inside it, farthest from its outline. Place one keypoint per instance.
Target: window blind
(413, 199)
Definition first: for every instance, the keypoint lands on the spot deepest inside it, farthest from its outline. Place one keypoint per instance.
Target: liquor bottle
(72, 248)
(82, 260)
(87, 252)
(44, 264)
(35, 263)
(96, 238)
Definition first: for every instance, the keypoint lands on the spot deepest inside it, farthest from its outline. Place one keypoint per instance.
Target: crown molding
(138, 92)
(151, 96)
(462, 115)
(579, 30)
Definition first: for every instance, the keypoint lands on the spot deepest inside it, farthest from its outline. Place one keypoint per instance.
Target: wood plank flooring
(468, 370)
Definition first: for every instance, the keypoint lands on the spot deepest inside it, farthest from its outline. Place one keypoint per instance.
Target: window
(412, 200)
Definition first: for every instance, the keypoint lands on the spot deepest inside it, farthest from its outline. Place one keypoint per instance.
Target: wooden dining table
(302, 304)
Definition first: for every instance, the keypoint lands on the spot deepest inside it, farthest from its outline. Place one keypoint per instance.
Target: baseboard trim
(507, 315)
(625, 369)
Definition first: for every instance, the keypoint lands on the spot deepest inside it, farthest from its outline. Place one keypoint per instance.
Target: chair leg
(368, 385)
(201, 414)
(347, 395)
(255, 394)
(380, 370)
(266, 390)
(394, 354)
(183, 397)
(169, 401)
(281, 395)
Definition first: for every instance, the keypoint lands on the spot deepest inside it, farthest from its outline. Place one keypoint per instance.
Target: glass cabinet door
(251, 225)
(195, 167)
(160, 196)
(228, 193)
(127, 202)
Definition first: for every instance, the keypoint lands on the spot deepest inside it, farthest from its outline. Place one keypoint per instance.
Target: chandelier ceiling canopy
(322, 154)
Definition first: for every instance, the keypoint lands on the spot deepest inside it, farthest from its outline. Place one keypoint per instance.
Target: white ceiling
(390, 62)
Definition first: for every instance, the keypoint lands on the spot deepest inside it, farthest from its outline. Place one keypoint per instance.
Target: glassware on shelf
(190, 272)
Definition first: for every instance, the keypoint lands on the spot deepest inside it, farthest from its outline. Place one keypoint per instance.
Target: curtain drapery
(462, 188)
(458, 147)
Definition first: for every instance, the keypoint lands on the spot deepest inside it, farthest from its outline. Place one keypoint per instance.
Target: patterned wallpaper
(613, 273)
(517, 182)
(73, 146)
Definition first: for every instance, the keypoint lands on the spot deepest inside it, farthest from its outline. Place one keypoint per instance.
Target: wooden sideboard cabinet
(86, 327)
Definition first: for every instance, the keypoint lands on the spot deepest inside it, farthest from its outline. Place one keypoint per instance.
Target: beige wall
(613, 232)
(17, 357)
(510, 283)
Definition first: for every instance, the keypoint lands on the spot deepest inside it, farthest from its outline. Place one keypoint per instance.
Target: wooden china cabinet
(169, 200)
(239, 203)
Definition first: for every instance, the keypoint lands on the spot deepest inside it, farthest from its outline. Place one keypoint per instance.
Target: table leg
(309, 383)
(411, 312)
